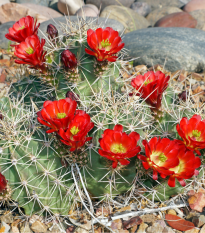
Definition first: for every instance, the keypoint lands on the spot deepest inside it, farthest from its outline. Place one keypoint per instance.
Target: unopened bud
(73, 96)
(1, 116)
(52, 31)
(69, 59)
(183, 95)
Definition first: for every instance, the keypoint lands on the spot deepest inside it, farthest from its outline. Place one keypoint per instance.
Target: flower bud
(69, 59)
(73, 96)
(52, 31)
(1, 116)
(3, 183)
(183, 95)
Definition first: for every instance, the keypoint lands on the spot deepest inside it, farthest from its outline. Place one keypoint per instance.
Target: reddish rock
(194, 5)
(197, 200)
(131, 222)
(179, 19)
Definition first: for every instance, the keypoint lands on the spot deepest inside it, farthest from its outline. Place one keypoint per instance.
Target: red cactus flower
(160, 155)
(22, 29)
(3, 183)
(75, 135)
(151, 86)
(192, 132)
(31, 52)
(57, 114)
(186, 168)
(118, 146)
(69, 59)
(105, 43)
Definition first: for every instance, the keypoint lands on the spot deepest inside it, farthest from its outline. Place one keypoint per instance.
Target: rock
(104, 3)
(199, 15)
(173, 212)
(142, 228)
(70, 229)
(156, 45)
(184, 1)
(202, 229)
(148, 218)
(142, 8)
(81, 230)
(2, 2)
(199, 220)
(38, 226)
(131, 222)
(178, 19)
(7, 218)
(130, 19)
(109, 23)
(26, 228)
(89, 10)
(155, 228)
(157, 14)
(4, 228)
(161, 3)
(43, 10)
(54, 5)
(14, 11)
(168, 230)
(42, 3)
(197, 200)
(161, 223)
(69, 7)
(194, 5)
(116, 224)
(104, 211)
(194, 230)
(4, 28)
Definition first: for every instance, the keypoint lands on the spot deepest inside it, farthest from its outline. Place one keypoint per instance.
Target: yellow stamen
(162, 157)
(74, 130)
(196, 133)
(147, 82)
(61, 115)
(21, 28)
(29, 50)
(105, 43)
(118, 148)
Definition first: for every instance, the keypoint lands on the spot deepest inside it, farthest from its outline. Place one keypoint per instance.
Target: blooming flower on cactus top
(186, 168)
(75, 135)
(150, 86)
(105, 43)
(22, 29)
(192, 132)
(57, 114)
(118, 146)
(3, 183)
(31, 52)
(69, 59)
(160, 155)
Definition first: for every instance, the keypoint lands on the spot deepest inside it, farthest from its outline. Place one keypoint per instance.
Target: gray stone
(155, 4)
(157, 14)
(4, 28)
(105, 3)
(109, 23)
(7, 218)
(88, 10)
(184, 1)
(69, 7)
(54, 5)
(199, 15)
(142, 8)
(2, 2)
(38, 2)
(177, 48)
(130, 19)
(155, 228)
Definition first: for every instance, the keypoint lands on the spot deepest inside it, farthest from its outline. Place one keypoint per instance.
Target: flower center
(61, 115)
(21, 28)
(74, 130)
(162, 157)
(29, 50)
(105, 43)
(118, 148)
(196, 133)
(147, 82)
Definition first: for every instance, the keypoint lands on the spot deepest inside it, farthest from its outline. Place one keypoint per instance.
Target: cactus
(41, 160)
